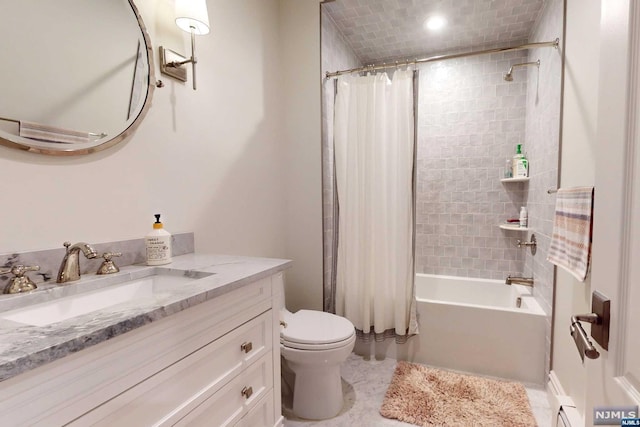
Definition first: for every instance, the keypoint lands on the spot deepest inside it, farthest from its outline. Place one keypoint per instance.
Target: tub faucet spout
(70, 266)
(526, 281)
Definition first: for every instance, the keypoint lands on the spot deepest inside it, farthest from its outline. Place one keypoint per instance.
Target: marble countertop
(24, 347)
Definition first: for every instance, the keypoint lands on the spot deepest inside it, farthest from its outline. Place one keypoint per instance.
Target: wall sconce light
(191, 16)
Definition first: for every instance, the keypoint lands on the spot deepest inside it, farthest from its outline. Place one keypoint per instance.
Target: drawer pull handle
(246, 347)
(247, 392)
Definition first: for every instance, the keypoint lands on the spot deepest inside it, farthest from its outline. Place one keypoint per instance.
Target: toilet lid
(316, 327)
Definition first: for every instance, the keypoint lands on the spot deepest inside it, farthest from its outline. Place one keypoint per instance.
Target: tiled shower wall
(469, 122)
(336, 55)
(542, 134)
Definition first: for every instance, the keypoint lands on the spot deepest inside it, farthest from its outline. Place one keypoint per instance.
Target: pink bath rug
(432, 397)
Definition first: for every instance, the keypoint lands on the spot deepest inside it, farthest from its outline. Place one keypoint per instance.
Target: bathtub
(479, 326)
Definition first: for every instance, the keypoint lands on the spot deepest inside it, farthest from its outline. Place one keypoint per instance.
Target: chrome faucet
(70, 267)
(526, 281)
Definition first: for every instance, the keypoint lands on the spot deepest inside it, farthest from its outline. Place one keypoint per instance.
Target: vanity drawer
(261, 414)
(167, 396)
(232, 402)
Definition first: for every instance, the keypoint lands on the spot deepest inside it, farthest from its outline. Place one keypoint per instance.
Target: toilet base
(317, 388)
(317, 391)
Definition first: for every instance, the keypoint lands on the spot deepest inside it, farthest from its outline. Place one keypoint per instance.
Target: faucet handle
(19, 270)
(533, 244)
(108, 255)
(108, 266)
(19, 282)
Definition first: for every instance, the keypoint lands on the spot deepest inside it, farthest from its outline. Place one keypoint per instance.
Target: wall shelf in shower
(515, 227)
(521, 179)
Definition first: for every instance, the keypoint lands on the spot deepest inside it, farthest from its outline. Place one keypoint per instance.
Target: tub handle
(533, 244)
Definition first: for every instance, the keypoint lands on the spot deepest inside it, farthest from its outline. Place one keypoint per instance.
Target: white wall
(577, 169)
(211, 161)
(301, 80)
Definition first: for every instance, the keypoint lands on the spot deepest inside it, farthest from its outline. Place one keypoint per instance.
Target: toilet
(313, 345)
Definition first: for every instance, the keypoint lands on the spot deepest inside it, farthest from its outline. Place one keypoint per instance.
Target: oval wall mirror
(77, 75)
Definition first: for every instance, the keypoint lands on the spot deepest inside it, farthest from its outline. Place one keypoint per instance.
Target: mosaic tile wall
(470, 120)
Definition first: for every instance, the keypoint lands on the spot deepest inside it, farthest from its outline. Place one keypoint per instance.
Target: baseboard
(279, 422)
(554, 386)
(559, 399)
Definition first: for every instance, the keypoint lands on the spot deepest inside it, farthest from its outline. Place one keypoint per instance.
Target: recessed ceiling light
(435, 22)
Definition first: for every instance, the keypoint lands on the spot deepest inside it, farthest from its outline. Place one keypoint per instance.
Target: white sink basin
(67, 307)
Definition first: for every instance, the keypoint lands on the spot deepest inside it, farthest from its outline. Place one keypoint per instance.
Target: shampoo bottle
(523, 217)
(158, 244)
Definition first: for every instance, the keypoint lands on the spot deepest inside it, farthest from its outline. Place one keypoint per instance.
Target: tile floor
(365, 383)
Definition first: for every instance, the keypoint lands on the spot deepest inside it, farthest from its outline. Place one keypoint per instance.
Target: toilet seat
(316, 330)
(318, 347)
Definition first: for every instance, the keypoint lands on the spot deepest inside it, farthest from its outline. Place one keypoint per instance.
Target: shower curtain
(374, 160)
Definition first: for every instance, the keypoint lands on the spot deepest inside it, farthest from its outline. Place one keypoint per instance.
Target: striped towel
(571, 240)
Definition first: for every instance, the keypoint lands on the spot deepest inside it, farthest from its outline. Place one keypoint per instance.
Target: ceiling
(379, 30)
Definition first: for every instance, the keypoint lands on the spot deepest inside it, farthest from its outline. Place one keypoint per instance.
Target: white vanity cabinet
(214, 364)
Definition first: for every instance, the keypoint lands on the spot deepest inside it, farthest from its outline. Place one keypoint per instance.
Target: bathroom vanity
(203, 351)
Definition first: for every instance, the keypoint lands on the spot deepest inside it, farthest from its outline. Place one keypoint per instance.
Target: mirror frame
(23, 144)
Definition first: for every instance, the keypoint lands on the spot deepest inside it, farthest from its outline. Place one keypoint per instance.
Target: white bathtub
(474, 325)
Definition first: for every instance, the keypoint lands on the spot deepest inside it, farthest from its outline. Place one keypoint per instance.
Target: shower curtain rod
(383, 66)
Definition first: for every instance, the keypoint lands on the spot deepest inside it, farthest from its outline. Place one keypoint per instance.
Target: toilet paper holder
(599, 319)
(583, 343)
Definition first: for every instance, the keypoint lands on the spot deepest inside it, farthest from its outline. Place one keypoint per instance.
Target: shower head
(509, 76)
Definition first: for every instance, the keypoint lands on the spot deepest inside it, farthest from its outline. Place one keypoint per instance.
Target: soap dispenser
(158, 244)
(520, 164)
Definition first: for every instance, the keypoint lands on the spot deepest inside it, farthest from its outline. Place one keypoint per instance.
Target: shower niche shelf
(521, 179)
(511, 227)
